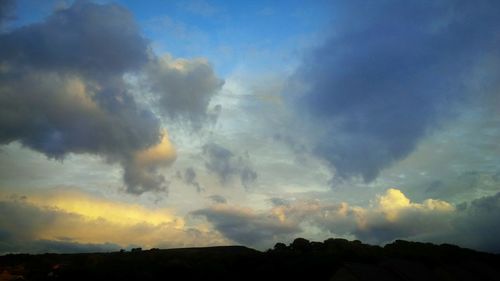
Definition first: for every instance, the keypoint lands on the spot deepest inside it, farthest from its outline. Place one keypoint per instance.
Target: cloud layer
(388, 72)
(390, 216)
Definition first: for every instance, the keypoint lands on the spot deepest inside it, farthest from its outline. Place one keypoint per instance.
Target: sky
(197, 123)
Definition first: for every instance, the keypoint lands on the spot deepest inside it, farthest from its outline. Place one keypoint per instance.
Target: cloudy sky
(195, 123)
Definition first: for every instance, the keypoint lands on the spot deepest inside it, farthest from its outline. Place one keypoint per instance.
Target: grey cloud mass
(477, 225)
(190, 178)
(245, 227)
(63, 90)
(222, 162)
(389, 72)
(62, 87)
(98, 41)
(182, 89)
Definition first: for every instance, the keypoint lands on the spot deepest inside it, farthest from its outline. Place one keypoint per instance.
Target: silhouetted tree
(301, 244)
(280, 246)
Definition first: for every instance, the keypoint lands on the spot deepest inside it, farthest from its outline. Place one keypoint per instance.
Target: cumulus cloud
(63, 90)
(392, 215)
(390, 71)
(71, 221)
(395, 216)
(182, 89)
(222, 162)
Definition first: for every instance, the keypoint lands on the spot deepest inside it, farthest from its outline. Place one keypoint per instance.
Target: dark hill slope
(333, 259)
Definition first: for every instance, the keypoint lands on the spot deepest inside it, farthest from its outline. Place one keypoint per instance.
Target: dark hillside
(333, 259)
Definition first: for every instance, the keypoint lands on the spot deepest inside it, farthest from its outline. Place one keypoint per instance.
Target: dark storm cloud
(222, 162)
(246, 227)
(62, 90)
(99, 41)
(389, 71)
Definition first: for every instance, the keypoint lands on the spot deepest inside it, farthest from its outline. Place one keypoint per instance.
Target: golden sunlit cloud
(394, 202)
(160, 154)
(92, 208)
(82, 218)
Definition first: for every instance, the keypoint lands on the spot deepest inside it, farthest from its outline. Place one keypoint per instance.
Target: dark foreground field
(333, 259)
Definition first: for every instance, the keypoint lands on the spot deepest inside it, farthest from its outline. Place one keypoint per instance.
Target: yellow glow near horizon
(114, 212)
(75, 216)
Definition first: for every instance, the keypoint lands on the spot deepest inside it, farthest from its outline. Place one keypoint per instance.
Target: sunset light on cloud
(196, 123)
